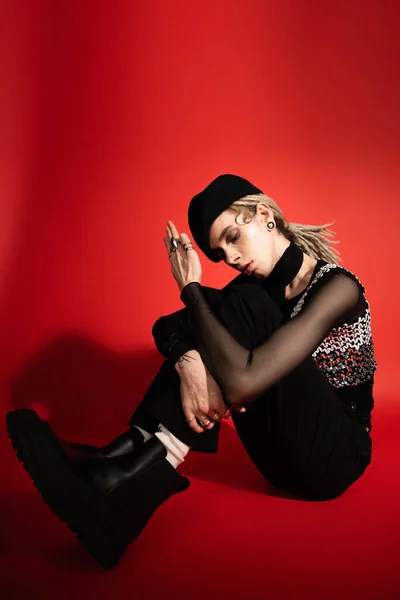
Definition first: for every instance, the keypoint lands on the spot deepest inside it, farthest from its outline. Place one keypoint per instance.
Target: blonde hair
(314, 240)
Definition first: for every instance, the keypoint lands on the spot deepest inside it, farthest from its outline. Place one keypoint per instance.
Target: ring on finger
(192, 419)
(205, 422)
(174, 244)
(215, 417)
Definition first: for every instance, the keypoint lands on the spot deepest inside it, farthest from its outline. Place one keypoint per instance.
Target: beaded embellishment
(346, 355)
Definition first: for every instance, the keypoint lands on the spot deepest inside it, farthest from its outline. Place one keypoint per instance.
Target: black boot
(105, 502)
(126, 442)
(136, 483)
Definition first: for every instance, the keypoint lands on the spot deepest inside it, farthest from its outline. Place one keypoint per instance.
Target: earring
(270, 225)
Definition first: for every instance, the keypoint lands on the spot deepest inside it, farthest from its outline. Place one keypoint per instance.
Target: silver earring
(270, 225)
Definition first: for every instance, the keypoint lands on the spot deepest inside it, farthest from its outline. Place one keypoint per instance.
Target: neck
(281, 244)
(302, 279)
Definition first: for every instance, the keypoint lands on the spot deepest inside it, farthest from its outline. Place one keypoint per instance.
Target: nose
(232, 259)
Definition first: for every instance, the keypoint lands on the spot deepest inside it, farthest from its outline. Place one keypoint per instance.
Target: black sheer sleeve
(243, 375)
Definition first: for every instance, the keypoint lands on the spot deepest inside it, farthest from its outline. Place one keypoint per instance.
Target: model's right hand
(200, 394)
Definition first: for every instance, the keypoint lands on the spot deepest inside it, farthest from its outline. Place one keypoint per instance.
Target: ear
(263, 211)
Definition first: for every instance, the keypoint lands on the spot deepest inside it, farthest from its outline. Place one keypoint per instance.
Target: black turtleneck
(283, 273)
(244, 375)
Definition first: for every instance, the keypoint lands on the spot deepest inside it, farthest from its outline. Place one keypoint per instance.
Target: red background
(113, 115)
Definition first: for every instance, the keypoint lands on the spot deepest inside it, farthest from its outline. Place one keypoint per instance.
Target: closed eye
(220, 253)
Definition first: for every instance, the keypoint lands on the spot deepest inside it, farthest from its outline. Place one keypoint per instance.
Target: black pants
(297, 433)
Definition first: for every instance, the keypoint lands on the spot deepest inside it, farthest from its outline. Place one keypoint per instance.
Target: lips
(247, 270)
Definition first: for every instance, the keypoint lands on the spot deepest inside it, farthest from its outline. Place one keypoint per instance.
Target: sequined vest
(346, 355)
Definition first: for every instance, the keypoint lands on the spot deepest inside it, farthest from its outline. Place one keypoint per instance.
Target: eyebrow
(223, 232)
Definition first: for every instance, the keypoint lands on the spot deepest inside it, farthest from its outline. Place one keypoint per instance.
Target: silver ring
(192, 419)
(174, 244)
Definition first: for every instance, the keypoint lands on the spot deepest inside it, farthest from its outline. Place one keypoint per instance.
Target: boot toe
(86, 511)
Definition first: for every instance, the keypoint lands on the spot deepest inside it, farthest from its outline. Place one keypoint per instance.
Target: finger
(205, 421)
(214, 415)
(168, 246)
(171, 252)
(239, 408)
(173, 229)
(226, 411)
(185, 238)
(186, 242)
(192, 422)
(173, 234)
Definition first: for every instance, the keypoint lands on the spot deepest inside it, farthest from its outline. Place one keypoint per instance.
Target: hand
(185, 264)
(202, 401)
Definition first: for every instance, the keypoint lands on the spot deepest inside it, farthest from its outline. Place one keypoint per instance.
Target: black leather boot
(106, 502)
(126, 442)
(136, 483)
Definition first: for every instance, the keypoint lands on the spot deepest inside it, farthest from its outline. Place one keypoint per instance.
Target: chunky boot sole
(87, 513)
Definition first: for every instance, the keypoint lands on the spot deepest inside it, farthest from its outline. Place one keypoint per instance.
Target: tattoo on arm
(183, 358)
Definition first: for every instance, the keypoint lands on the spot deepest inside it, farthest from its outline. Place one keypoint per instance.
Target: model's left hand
(185, 264)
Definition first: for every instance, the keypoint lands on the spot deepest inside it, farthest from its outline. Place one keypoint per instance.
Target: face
(239, 245)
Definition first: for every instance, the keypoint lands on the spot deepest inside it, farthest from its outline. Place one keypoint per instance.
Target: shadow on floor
(88, 393)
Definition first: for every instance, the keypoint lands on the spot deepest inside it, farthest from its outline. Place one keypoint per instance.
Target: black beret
(207, 205)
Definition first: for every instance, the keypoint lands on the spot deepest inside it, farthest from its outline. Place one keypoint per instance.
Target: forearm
(215, 343)
(243, 374)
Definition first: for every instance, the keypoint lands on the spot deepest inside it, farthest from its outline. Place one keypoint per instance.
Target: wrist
(188, 361)
(185, 288)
